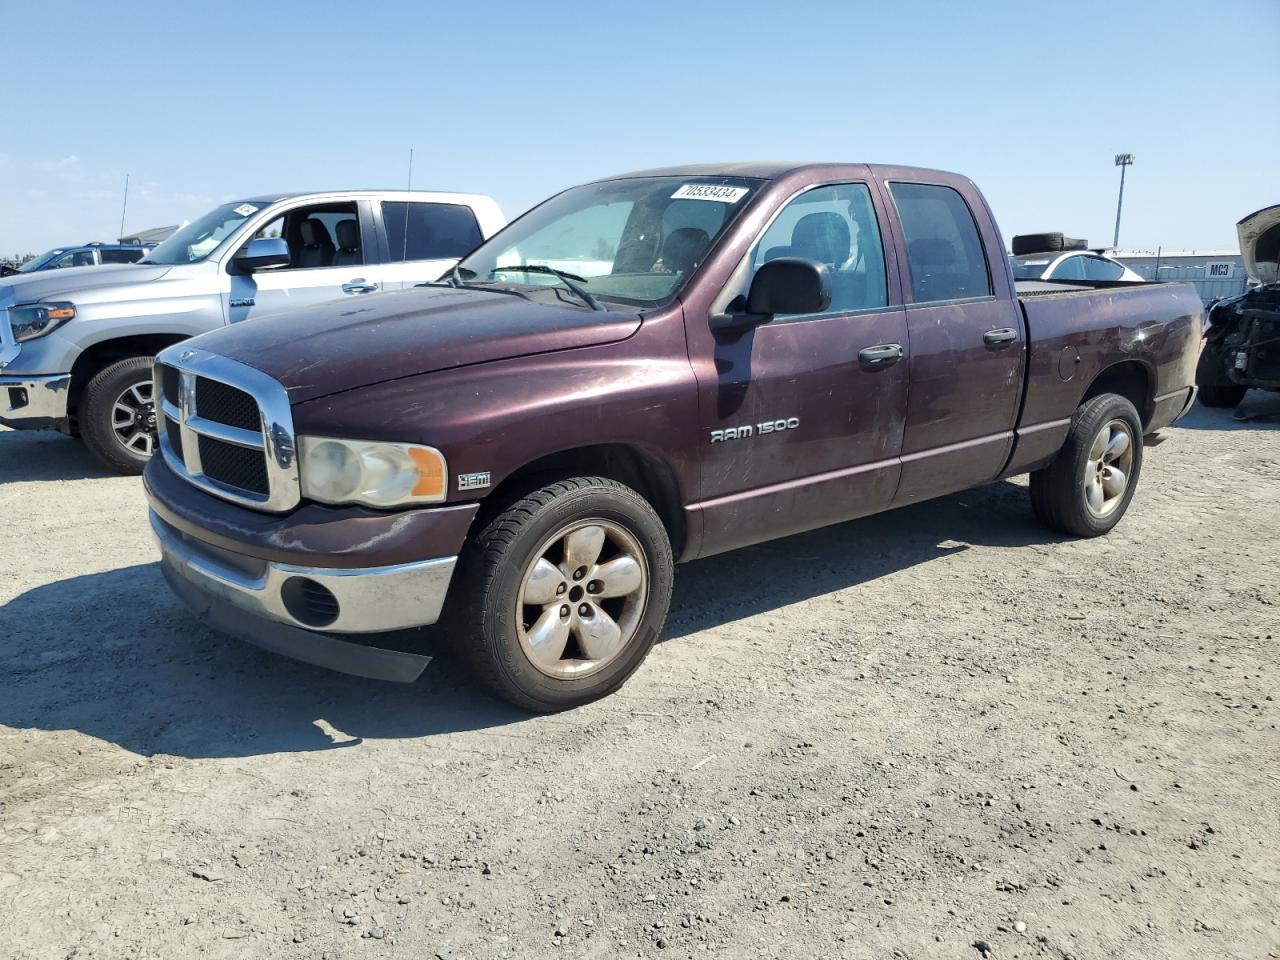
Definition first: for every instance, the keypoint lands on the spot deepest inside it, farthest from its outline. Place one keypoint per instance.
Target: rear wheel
(563, 593)
(118, 415)
(1089, 485)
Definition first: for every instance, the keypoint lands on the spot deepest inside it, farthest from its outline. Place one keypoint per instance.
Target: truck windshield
(35, 263)
(196, 240)
(634, 241)
(1030, 267)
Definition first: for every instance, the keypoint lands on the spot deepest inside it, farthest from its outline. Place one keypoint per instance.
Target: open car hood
(1259, 235)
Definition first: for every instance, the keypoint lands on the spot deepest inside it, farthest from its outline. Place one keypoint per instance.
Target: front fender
(497, 417)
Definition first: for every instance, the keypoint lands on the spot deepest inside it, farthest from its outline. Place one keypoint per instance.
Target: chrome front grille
(228, 429)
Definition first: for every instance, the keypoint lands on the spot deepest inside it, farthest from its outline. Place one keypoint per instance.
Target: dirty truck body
(753, 351)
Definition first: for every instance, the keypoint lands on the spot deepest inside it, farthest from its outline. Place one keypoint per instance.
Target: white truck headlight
(32, 320)
(374, 473)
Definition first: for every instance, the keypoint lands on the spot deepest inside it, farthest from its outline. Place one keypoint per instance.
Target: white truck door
(333, 251)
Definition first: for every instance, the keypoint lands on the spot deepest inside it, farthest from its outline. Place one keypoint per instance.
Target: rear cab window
(945, 255)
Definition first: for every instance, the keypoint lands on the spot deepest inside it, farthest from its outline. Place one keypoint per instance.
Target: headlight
(373, 473)
(36, 319)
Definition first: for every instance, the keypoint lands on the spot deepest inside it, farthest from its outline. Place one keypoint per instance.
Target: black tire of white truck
(116, 393)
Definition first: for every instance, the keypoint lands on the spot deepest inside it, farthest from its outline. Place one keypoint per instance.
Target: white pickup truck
(76, 345)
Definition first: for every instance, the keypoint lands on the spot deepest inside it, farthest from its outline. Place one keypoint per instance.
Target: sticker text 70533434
(710, 191)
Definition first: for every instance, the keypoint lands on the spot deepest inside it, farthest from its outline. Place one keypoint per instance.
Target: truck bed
(1144, 336)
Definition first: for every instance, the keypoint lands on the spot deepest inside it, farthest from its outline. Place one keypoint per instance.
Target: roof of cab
(765, 169)
(296, 194)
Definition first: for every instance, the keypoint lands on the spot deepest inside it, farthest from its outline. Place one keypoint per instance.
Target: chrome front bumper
(294, 610)
(34, 402)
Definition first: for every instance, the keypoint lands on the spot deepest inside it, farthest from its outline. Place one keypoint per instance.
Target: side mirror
(262, 253)
(784, 285)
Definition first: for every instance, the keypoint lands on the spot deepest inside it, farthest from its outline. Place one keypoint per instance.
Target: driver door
(803, 415)
(332, 256)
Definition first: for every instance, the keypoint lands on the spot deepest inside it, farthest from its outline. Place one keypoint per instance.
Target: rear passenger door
(421, 240)
(967, 347)
(332, 256)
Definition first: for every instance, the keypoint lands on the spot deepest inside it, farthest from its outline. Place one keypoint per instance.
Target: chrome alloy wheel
(133, 418)
(1107, 471)
(582, 598)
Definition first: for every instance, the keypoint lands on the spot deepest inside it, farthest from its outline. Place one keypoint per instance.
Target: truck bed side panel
(1075, 337)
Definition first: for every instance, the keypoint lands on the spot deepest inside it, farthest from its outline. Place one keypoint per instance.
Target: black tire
(1221, 396)
(1211, 377)
(97, 414)
(482, 621)
(1059, 491)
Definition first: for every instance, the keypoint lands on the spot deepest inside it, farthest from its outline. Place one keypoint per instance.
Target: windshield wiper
(566, 278)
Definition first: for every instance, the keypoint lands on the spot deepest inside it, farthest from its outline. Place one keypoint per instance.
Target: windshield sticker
(709, 191)
(245, 209)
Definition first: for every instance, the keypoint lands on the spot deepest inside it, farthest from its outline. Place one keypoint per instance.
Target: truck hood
(67, 282)
(1259, 235)
(337, 346)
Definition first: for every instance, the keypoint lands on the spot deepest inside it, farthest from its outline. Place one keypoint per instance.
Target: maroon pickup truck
(642, 370)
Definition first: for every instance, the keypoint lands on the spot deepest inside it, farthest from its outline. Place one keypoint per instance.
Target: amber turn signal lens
(431, 476)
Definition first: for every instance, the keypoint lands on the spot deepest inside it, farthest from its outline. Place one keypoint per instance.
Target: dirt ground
(931, 734)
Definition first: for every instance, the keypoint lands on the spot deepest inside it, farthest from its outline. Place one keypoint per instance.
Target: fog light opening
(309, 602)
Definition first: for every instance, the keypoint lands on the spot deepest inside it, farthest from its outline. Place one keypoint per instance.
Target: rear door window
(1071, 268)
(429, 231)
(121, 256)
(1098, 268)
(944, 251)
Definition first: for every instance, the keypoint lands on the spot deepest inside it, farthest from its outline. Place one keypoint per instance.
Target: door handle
(880, 356)
(1000, 338)
(359, 285)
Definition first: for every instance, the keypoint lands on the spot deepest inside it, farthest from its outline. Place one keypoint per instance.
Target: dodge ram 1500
(640, 371)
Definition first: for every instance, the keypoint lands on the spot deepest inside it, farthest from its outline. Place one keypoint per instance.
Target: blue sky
(206, 102)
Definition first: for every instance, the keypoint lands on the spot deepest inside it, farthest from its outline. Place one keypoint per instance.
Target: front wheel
(562, 594)
(1089, 485)
(118, 415)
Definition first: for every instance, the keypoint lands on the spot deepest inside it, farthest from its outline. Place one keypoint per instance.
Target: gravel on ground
(942, 732)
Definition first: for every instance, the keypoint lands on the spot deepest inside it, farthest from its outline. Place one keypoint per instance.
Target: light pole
(1122, 160)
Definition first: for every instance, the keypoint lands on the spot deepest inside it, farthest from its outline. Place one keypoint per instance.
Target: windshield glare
(1029, 268)
(200, 238)
(635, 241)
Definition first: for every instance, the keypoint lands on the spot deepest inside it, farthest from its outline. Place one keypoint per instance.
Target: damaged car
(1242, 341)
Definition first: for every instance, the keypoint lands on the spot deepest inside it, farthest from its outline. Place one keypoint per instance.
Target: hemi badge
(473, 481)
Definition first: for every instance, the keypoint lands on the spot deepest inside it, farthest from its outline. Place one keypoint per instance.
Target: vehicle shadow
(46, 455)
(115, 656)
(778, 573)
(1259, 408)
